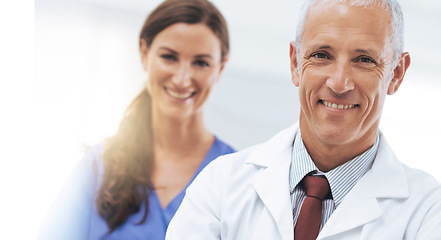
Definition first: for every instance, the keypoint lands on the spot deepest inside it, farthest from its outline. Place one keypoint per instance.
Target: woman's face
(183, 63)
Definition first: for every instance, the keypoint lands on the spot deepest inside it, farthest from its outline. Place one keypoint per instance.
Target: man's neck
(327, 156)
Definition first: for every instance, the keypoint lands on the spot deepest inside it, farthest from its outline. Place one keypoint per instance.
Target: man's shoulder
(418, 181)
(260, 155)
(422, 183)
(237, 160)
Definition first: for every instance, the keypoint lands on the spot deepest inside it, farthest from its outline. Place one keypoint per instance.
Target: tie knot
(316, 187)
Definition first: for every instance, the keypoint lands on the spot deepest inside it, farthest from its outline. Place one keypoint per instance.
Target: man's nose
(341, 80)
(182, 77)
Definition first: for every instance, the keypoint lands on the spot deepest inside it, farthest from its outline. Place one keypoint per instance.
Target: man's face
(343, 73)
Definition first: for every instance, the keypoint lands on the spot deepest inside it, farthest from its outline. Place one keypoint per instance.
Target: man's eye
(201, 63)
(320, 55)
(168, 57)
(366, 60)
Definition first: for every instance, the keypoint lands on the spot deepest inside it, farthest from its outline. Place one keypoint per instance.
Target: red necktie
(308, 222)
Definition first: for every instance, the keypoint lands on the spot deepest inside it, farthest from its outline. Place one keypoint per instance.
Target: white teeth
(179, 95)
(335, 106)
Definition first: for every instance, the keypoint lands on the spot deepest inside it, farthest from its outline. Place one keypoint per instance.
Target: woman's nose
(182, 77)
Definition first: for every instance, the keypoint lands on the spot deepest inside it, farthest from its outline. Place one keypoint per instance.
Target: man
(332, 175)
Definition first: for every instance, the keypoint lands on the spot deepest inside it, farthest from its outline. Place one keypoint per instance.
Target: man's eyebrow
(359, 50)
(324, 47)
(366, 51)
(315, 47)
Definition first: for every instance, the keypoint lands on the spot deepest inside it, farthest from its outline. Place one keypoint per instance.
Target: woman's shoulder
(93, 158)
(222, 147)
(95, 152)
(71, 212)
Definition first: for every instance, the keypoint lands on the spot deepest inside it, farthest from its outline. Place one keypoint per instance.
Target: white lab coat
(245, 195)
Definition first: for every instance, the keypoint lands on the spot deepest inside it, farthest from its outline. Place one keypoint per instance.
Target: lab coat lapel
(359, 207)
(386, 179)
(272, 186)
(272, 183)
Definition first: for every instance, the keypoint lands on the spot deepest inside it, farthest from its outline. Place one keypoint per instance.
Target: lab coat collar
(272, 183)
(388, 174)
(267, 152)
(386, 179)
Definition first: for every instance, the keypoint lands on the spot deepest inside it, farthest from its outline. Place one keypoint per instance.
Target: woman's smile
(179, 94)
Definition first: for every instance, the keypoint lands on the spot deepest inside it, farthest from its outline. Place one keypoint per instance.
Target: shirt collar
(302, 164)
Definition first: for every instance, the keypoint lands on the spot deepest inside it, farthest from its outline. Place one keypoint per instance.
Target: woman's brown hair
(128, 155)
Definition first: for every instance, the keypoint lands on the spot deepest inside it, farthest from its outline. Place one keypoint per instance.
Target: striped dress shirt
(341, 179)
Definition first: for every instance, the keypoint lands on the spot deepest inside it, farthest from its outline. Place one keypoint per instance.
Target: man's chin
(334, 135)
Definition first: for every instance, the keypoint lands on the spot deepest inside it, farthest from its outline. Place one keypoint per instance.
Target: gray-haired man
(332, 175)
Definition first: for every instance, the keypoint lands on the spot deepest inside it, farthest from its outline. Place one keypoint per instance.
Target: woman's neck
(180, 135)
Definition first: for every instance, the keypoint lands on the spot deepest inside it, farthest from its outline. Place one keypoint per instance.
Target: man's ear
(293, 63)
(144, 51)
(398, 73)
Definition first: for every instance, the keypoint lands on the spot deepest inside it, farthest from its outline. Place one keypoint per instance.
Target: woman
(130, 186)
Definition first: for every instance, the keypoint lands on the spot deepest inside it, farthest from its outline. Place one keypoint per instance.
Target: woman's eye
(201, 63)
(168, 57)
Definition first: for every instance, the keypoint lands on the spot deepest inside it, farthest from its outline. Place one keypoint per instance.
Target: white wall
(87, 69)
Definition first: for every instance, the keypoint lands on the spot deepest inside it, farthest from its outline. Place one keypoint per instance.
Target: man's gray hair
(391, 6)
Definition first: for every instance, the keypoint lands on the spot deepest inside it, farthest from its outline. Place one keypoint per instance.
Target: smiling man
(332, 175)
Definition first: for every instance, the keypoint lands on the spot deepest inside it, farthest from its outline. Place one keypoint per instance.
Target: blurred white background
(87, 69)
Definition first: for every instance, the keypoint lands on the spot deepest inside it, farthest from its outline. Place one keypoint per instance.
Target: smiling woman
(130, 186)
(183, 63)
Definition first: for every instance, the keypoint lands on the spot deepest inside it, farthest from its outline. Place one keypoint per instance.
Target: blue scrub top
(74, 215)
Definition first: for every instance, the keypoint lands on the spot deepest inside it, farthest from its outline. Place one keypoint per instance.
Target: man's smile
(337, 106)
